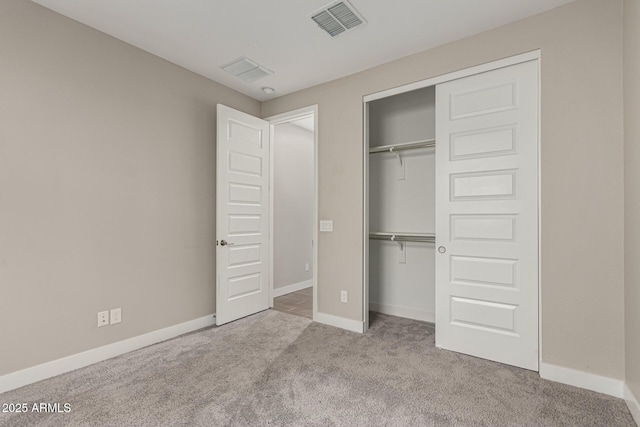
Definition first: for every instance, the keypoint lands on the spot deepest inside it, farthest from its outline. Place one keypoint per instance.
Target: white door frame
(278, 120)
(494, 65)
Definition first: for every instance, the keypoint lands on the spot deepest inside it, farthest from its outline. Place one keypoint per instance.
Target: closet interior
(401, 204)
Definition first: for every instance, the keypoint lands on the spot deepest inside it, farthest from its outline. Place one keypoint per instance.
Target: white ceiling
(202, 35)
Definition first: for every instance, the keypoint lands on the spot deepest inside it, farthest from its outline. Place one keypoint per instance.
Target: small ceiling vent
(337, 18)
(247, 69)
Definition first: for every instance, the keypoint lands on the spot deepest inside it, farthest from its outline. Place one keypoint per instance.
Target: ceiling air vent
(337, 18)
(247, 69)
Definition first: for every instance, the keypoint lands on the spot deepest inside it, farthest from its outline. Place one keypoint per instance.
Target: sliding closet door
(487, 215)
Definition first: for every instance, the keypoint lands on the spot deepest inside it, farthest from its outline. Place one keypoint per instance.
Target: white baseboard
(278, 292)
(339, 322)
(632, 403)
(406, 312)
(605, 385)
(66, 364)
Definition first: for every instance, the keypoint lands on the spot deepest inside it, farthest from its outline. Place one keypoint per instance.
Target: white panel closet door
(487, 215)
(242, 223)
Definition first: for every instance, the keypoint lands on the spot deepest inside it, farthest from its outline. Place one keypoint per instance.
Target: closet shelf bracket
(401, 174)
(402, 255)
(398, 155)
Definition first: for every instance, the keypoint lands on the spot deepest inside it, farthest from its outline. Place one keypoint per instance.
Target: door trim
(277, 120)
(539, 160)
(489, 66)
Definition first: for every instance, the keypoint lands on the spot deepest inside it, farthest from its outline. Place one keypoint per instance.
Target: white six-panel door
(487, 215)
(242, 223)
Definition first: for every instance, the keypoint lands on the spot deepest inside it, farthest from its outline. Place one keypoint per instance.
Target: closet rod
(403, 237)
(403, 146)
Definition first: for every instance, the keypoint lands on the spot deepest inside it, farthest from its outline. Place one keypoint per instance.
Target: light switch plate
(326, 225)
(116, 316)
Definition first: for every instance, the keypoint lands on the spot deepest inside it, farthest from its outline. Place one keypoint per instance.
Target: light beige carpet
(277, 369)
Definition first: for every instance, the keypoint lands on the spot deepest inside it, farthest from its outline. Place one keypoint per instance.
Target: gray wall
(107, 187)
(581, 166)
(632, 192)
(292, 205)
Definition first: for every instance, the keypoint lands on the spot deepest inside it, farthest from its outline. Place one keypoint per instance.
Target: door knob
(441, 249)
(225, 243)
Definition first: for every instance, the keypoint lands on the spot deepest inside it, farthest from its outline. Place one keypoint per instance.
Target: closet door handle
(225, 243)
(442, 249)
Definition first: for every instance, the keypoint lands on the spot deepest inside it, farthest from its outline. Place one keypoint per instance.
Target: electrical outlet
(343, 296)
(103, 318)
(306, 267)
(116, 316)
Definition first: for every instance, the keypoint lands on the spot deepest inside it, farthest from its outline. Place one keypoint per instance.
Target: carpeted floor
(278, 369)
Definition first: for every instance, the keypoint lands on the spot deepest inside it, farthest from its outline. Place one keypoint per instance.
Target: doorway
(294, 212)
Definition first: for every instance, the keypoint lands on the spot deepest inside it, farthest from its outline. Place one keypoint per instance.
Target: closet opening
(293, 208)
(451, 208)
(401, 204)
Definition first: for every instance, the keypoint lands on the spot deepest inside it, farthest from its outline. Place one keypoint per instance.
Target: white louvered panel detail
(337, 18)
